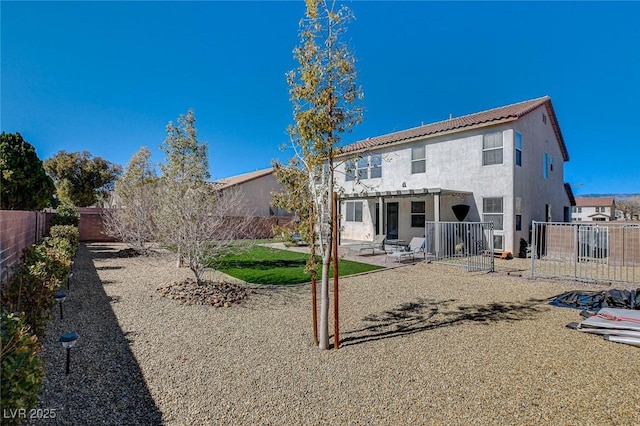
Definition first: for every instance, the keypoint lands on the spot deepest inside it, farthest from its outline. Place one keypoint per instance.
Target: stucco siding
(530, 185)
(454, 163)
(258, 195)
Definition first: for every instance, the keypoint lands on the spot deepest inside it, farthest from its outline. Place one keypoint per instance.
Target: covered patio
(398, 214)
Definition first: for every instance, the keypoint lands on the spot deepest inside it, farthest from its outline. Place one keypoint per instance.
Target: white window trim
(418, 160)
(351, 212)
(495, 148)
(487, 215)
(373, 166)
(362, 168)
(350, 170)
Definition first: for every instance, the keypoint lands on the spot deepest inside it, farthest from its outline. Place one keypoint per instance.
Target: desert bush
(43, 269)
(50, 260)
(68, 232)
(66, 214)
(22, 369)
(29, 294)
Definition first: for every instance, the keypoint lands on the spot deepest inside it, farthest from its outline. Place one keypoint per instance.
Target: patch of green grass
(263, 265)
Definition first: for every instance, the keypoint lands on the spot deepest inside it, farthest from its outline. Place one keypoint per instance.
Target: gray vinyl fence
(468, 244)
(598, 252)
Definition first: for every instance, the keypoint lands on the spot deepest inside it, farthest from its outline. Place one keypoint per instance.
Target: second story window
(518, 146)
(545, 166)
(375, 166)
(363, 168)
(418, 160)
(367, 167)
(350, 170)
(321, 174)
(492, 149)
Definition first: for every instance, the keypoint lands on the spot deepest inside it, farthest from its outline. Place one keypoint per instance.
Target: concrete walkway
(515, 266)
(379, 259)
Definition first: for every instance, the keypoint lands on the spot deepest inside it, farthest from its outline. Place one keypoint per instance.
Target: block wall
(91, 226)
(18, 230)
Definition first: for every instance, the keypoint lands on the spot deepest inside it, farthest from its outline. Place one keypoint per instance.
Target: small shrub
(28, 294)
(50, 260)
(22, 369)
(68, 232)
(43, 270)
(66, 214)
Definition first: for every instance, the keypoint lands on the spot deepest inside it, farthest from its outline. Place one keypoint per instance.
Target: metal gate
(468, 244)
(586, 251)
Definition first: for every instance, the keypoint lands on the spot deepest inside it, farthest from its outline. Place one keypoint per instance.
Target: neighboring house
(594, 209)
(257, 188)
(506, 164)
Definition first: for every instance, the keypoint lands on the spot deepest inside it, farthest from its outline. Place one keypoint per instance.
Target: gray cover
(634, 341)
(598, 322)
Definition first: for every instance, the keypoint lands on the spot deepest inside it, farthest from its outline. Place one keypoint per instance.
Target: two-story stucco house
(257, 188)
(594, 209)
(506, 164)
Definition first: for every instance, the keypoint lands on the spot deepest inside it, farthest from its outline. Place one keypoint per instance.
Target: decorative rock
(216, 294)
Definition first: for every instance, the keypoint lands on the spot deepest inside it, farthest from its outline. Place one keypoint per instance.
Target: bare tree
(630, 207)
(201, 222)
(210, 225)
(135, 202)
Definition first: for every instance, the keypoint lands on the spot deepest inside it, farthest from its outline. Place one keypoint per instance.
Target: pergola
(381, 196)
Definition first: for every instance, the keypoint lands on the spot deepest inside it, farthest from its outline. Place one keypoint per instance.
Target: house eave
(402, 193)
(425, 137)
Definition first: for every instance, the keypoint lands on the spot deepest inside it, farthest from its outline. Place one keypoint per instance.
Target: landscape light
(68, 341)
(60, 297)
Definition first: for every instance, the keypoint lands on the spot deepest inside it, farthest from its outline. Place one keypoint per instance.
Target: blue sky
(107, 77)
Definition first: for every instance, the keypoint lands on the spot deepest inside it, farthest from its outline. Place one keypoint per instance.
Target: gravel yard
(421, 344)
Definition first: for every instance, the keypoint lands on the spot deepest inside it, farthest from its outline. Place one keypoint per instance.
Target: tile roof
(457, 124)
(239, 179)
(594, 201)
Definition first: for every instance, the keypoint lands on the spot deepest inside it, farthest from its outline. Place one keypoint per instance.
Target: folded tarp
(617, 325)
(595, 300)
(617, 319)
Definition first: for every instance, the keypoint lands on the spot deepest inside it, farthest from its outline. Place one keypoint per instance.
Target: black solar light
(60, 297)
(68, 341)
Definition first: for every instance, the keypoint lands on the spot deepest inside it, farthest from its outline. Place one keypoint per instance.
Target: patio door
(392, 221)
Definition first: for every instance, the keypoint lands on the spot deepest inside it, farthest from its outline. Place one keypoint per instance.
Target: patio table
(394, 245)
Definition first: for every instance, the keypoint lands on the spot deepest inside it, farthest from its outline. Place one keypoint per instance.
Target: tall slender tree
(199, 219)
(184, 172)
(325, 95)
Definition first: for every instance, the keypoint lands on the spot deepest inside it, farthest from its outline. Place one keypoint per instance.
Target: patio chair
(376, 244)
(416, 245)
